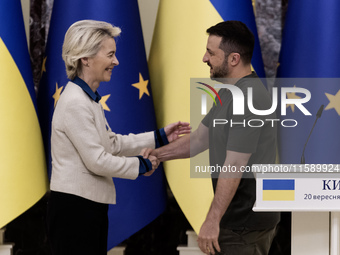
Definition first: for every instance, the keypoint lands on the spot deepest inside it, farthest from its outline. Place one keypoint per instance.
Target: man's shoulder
(251, 80)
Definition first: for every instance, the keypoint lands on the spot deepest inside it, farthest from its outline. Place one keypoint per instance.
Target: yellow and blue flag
(178, 45)
(278, 190)
(243, 11)
(23, 178)
(126, 99)
(311, 50)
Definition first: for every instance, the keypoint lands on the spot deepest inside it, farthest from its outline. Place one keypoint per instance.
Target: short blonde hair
(83, 39)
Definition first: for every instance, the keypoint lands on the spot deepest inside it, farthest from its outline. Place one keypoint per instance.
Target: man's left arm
(226, 188)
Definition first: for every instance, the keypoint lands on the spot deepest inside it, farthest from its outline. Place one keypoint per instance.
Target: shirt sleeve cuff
(160, 138)
(144, 165)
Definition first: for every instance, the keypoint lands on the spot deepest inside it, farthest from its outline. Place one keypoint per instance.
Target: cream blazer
(86, 154)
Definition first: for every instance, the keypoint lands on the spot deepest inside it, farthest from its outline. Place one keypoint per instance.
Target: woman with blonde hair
(86, 153)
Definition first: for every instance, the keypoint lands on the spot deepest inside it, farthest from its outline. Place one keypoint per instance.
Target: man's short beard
(221, 72)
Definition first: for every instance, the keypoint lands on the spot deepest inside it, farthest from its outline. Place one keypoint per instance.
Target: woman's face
(101, 65)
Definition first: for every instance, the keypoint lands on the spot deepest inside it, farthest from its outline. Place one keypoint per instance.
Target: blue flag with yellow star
(23, 179)
(126, 99)
(311, 50)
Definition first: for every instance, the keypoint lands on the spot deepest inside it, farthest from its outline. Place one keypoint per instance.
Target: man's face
(215, 58)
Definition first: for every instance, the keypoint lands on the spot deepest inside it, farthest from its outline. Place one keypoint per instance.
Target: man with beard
(231, 227)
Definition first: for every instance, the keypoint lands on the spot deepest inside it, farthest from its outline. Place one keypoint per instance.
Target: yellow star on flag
(142, 86)
(334, 102)
(43, 68)
(292, 95)
(103, 102)
(57, 93)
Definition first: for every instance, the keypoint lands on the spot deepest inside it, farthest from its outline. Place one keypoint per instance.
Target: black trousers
(245, 242)
(76, 225)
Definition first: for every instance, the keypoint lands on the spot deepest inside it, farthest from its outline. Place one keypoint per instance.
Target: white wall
(148, 12)
(26, 13)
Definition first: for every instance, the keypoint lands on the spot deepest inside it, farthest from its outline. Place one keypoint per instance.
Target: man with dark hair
(236, 37)
(231, 227)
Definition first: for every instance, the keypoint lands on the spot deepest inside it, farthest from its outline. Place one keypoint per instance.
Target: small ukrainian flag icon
(278, 190)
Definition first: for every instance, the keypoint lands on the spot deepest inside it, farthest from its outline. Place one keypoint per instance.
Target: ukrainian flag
(278, 190)
(23, 179)
(177, 49)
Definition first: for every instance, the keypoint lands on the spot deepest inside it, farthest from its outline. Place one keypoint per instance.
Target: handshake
(173, 132)
(150, 154)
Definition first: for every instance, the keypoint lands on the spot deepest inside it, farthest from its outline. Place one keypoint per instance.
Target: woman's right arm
(80, 128)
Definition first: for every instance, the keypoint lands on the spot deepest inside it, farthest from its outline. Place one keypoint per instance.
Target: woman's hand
(153, 159)
(174, 130)
(155, 163)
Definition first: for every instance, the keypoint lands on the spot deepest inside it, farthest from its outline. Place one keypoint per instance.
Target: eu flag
(126, 99)
(311, 49)
(23, 179)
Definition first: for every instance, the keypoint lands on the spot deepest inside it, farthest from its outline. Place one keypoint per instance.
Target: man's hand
(148, 152)
(174, 130)
(184, 146)
(208, 237)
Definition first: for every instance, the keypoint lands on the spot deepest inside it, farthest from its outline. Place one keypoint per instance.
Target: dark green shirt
(260, 141)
